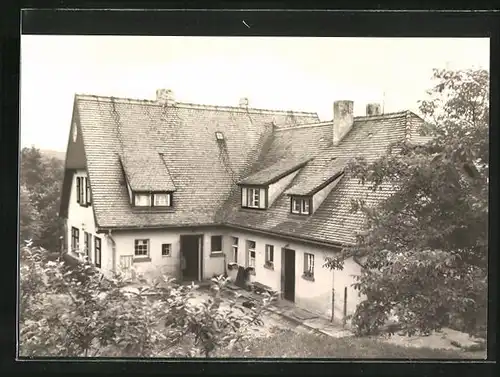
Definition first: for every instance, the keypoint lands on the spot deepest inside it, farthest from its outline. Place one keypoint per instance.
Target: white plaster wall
(345, 278)
(83, 219)
(275, 189)
(314, 295)
(158, 264)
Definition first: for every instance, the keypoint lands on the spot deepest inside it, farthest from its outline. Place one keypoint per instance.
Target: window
(235, 249)
(162, 200)
(82, 191)
(253, 197)
(166, 250)
(216, 244)
(300, 205)
(87, 240)
(269, 256)
(141, 248)
(75, 239)
(308, 265)
(251, 253)
(143, 200)
(97, 252)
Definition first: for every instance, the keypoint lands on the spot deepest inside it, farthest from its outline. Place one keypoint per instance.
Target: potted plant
(269, 265)
(308, 275)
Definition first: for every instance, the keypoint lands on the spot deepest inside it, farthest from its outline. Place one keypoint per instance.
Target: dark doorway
(289, 272)
(191, 256)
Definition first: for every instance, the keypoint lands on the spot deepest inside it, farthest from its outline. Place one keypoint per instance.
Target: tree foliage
(41, 181)
(426, 246)
(75, 311)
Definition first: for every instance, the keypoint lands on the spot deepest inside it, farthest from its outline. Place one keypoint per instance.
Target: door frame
(200, 252)
(283, 273)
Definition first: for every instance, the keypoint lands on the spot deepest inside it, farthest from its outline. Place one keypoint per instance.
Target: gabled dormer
(260, 190)
(314, 184)
(148, 181)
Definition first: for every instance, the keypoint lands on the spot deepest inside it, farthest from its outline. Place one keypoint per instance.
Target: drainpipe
(113, 248)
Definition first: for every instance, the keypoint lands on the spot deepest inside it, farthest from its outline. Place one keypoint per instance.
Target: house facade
(193, 191)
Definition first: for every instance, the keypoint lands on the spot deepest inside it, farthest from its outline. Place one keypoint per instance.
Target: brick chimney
(244, 102)
(373, 109)
(343, 119)
(165, 97)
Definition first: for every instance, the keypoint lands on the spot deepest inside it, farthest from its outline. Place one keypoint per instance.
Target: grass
(288, 344)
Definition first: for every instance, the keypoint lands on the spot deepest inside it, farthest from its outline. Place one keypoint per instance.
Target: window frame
(300, 202)
(254, 197)
(234, 248)
(136, 245)
(75, 239)
(155, 194)
(308, 266)
(167, 246)
(97, 251)
(151, 199)
(251, 250)
(221, 240)
(269, 256)
(87, 244)
(88, 200)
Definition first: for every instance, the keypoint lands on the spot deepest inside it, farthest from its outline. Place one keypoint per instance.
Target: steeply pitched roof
(274, 172)
(316, 174)
(333, 221)
(146, 171)
(258, 146)
(201, 169)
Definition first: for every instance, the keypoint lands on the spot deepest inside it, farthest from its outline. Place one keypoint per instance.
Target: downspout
(113, 254)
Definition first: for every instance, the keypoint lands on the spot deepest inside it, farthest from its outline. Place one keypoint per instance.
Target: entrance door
(191, 252)
(289, 272)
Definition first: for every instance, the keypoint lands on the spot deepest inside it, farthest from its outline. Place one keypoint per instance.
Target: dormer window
(158, 200)
(300, 205)
(253, 197)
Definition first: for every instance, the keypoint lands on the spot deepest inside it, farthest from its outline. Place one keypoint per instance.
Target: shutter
(244, 197)
(87, 190)
(78, 189)
(262, 198)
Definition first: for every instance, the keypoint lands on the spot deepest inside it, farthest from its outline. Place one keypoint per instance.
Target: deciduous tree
(427, 245)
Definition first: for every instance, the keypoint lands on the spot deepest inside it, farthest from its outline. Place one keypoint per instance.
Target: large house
(159, 186)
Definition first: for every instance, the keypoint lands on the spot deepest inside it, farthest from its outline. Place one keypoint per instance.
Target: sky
(289, 73)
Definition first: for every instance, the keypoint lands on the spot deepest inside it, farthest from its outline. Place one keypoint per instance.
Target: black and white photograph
(253, 197)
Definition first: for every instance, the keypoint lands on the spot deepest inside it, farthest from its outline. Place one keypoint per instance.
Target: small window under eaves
(219, 135)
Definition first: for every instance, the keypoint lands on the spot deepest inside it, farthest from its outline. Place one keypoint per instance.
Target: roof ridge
(190, 105)
(395, 114)
(398, 114)
(317, 124)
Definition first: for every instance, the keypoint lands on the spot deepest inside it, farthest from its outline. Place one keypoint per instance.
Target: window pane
(235, 241)
(141, 247)
(143, 200)
(305, 206)
(166, 249)
(161, 200)
(251, 244)
(216, 243)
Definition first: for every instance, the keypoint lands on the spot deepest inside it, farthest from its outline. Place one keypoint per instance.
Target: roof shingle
(202, 169)
(175, 148)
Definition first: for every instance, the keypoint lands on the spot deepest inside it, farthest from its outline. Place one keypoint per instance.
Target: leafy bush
(76, 311)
